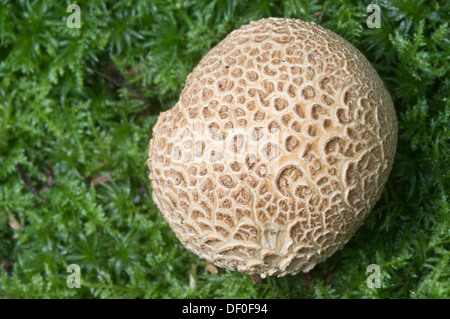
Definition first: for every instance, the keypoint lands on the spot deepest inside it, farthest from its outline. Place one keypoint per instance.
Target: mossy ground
(77, 104)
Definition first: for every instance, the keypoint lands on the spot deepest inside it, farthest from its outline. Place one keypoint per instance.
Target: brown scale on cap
(277, 150)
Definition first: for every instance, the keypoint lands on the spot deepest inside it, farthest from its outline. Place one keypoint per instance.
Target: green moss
(81, 103)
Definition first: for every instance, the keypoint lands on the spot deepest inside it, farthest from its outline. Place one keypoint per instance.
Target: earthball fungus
(277, 150)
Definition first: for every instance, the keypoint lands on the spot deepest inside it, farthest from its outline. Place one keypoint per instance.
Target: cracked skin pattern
(277, 150)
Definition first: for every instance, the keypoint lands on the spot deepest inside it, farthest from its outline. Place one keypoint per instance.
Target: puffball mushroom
(277, 150)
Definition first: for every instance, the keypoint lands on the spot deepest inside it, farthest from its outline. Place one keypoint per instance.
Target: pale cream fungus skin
(277, 150)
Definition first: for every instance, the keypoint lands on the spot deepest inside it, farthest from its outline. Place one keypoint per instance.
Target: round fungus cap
(277, 150)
